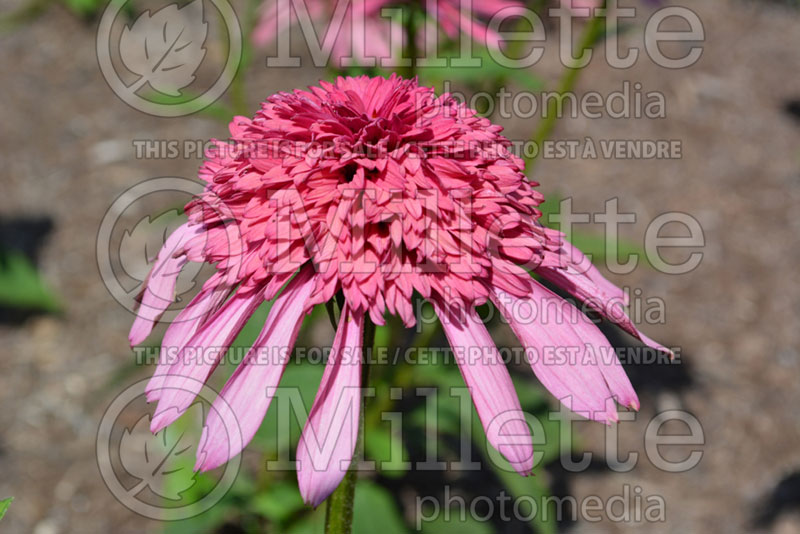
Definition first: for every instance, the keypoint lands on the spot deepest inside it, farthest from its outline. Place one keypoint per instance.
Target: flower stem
(339, 507)
(410, 28)
(591, 33)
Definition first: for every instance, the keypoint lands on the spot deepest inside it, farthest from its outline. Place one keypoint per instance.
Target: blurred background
(68, 149)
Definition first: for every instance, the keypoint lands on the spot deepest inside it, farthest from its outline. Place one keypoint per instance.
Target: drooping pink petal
(593, 360)
(491, 387)
(581, 264)
(198, 358)
(244, 400)
(159, 291)
(185, 325)
(584, 281)
(329, 437)
(567, 375)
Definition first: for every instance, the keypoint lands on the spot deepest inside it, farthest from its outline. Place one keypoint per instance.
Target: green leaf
(162, 462)
(306, 378)
(449, 410)
(84, 8)
(278, 502)
(452, 522)
(229, 507)
(21, 287)
(4, 504)
(383, 336)
(591, 244)
(437, 374)
(531, 395)
(215, 110)
(375, 509)
(312, 523)
(208, 521)
(490, 72)
(534, 487)
(379, 445)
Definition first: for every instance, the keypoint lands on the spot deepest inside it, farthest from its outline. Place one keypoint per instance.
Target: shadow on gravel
(784, 498)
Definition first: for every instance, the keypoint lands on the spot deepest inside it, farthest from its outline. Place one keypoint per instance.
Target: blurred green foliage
(85, 8)
(4, 504)
(594, 245)
(21, 287)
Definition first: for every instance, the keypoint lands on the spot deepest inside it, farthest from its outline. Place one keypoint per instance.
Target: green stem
(339, 510)
(339, 507)
(591, 33)
(411, 40)
(238, 93)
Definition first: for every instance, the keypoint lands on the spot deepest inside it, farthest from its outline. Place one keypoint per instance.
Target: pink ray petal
(566, 326)
(200, 356)
(582, 388)
(185, 325)
(329, 438)
(159, 291)
(244, 400)
(491, 388)
(585, 282)
(582, 264)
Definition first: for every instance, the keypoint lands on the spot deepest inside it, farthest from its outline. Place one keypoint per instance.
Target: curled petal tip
(524, 471)
(312, 497)
(208, 460)
(201, 455)
(163, 419)
(203, 464)
(520, 458)
(198, 465)
(136, 337)
(157, 425)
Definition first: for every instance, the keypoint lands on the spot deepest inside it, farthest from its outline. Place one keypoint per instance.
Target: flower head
(378, 189)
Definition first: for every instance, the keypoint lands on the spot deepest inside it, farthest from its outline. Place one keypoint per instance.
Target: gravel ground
(67, 154)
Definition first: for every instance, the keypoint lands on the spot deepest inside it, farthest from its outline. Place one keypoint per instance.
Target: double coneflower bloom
(374, 189)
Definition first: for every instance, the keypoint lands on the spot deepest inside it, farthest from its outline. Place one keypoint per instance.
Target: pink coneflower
(374, 39)
(377, 189)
